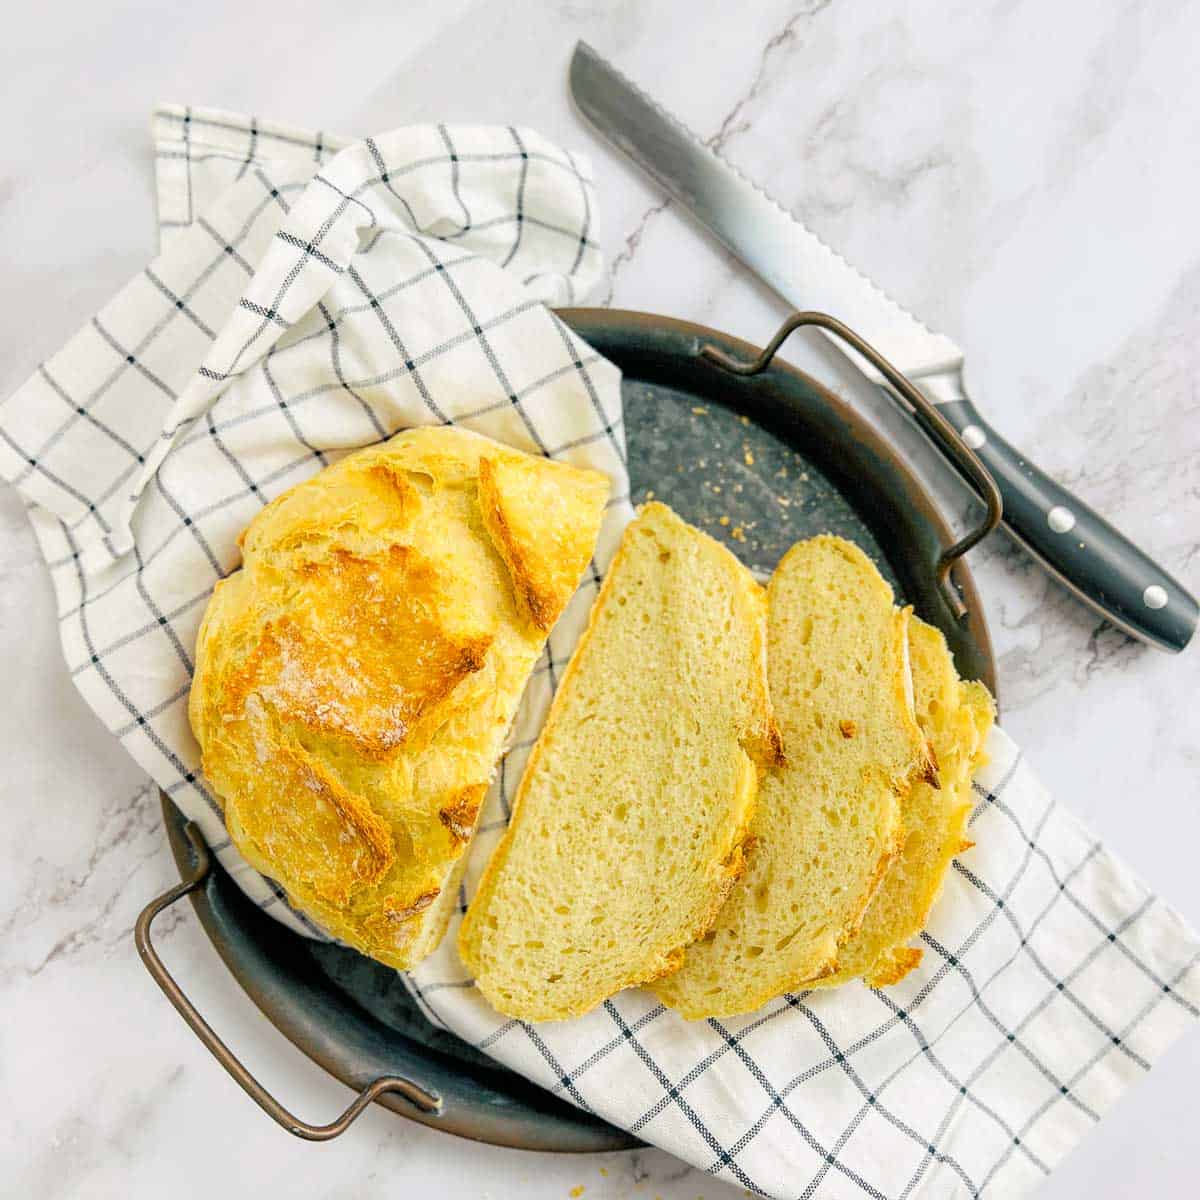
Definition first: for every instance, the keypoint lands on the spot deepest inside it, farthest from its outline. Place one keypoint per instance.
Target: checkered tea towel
(313, 296)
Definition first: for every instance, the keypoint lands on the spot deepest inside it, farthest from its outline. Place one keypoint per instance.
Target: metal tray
(757, 460)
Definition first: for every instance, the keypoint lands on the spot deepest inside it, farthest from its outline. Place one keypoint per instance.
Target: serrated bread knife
(1100, 565)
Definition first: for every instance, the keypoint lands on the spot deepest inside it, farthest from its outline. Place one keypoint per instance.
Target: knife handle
(1094, 560)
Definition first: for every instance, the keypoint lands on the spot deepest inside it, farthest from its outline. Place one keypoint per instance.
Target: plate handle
(927, 415)
(418, 1096)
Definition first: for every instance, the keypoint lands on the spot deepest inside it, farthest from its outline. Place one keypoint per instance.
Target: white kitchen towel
(315, 295)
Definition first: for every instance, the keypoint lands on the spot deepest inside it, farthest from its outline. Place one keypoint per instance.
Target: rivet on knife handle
(1098, 563)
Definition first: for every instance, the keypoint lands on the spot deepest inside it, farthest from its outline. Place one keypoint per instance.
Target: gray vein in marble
(633, 239)
(656, 1164)
(81, 1141)
(732, 123)
(730, 127)
(96, 890)
(866, 175)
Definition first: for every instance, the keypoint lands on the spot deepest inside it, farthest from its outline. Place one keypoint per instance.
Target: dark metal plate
(757, 462)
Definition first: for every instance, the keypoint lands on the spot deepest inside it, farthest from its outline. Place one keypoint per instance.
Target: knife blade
(1082, 550)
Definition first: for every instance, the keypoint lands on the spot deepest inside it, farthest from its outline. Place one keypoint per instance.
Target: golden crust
(672, 962)
(544, 533)
(892, 966)
(460, 814)
(334, 842)
(356, 678)
(889, 856)
(364, 651)
(927, 770)
(764, 740)
(732, 866)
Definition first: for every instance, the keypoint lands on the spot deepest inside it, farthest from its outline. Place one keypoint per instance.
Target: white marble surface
(1022, 174)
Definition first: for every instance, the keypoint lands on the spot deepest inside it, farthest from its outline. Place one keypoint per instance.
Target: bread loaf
(627, 830)
(356, 678)
(828, 822)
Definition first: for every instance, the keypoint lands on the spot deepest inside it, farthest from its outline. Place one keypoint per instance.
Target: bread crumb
(848, 728)
(749, 458)
(738, 533)
(722, 520)
(699, 411)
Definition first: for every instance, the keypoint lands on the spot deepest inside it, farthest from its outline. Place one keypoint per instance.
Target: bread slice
(828, 823)
(355, 680)
(956, 718)
(627, 829)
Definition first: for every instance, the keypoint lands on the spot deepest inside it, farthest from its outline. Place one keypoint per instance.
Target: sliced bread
(626, 833)
(956, 718)
(828, 822)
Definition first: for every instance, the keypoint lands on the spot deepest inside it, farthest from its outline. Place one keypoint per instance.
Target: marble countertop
(1022, 175)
